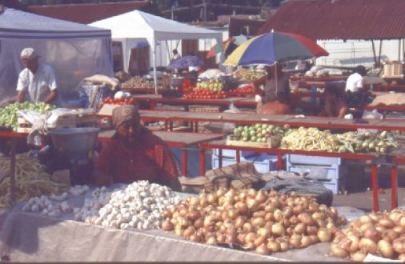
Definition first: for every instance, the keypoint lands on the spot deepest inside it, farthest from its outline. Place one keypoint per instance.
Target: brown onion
(305, 218)
(258, 222)
(212, 241)
(386, 222)
(372, 234)
(306, 241)
(324, 235)
(312, 230)
(385, 248)
(399, 245)
(300, 228)
(277, 229)
(259, 240)
(358, 256)
(337, 251)
(167, 225)
(401, 257)
(262, 249)
(265, 232)
(273, 246)
(247, 227)
(368, 245)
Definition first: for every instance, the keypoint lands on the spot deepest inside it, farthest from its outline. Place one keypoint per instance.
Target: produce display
(265, 221)
(137, 82)
(257, 132)
(205, 94)
(119, 101)
(381, 234)
(8, 114)
(242, 91)
(213, 85)
(137, 205)
(313, 139)
(31, 180)
(248, 75)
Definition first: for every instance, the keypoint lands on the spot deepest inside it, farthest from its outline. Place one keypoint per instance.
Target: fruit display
(264, 221)
(205, 94)
(137, 82)
(257, 132)
(8, 114)
(248, 75)
(213, 85)
(242, 91)
(364, 141)
(381, 234)
(313, 139)
(119, 101)
(31, 179)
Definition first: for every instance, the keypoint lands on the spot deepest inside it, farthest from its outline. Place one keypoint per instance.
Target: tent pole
(374, 55)
(154, 65)
(379, 53)
(399, 49)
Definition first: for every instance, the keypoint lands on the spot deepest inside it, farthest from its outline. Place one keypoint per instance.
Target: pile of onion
(266, 221)
(381, 234)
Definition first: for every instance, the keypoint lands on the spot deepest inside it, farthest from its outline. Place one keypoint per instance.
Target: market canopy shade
(273, 47)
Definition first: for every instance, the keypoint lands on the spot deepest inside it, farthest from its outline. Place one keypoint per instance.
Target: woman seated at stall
(134, 153)
(276, 92)
(334, 104)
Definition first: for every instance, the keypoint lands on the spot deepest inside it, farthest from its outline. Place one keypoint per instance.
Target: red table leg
(374, 171)
(238, 156)
(196, 127)
(280, 164)
(202, 162)
(184, 161)
(394, 187)
(166, 126)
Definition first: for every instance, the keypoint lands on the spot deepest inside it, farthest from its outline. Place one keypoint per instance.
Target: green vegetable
(8, 114)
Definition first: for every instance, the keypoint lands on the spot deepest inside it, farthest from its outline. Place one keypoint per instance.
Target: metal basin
(75, 142)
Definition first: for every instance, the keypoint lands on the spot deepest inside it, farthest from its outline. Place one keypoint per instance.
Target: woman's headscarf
(124, 113)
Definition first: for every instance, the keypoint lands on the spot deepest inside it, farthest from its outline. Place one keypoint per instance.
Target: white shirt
(37, 85)
(354, 83)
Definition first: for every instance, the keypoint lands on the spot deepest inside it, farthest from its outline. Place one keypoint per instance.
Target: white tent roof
(13, 24)
(138, 24)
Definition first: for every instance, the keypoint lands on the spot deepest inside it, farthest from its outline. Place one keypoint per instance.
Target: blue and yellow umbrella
(273, 47)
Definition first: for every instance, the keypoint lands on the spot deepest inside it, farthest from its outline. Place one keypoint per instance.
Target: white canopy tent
(137, 25)
(74, 50)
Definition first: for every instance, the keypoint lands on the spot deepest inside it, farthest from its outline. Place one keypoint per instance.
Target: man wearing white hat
(36, 82)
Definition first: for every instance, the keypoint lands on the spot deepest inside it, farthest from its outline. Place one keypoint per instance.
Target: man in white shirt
(36, 82)
(355, 81)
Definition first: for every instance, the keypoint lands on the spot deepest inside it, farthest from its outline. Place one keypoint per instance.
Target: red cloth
(150, 160)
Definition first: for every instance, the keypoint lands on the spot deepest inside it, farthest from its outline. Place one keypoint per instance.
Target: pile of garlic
(139, 205)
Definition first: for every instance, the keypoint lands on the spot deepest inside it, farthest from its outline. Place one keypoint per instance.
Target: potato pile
(381, 234)
(265, 221)
(31, 180)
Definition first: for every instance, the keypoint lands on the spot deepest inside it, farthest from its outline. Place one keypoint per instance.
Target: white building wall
(354, 52)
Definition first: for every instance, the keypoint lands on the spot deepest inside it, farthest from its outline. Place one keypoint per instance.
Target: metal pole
(374, 55)
(12, 172)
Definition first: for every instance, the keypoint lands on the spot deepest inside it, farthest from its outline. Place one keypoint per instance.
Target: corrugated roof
(340, 19)
(87, 13)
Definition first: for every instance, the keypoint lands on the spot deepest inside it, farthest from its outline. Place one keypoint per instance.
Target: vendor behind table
(36, 82)
(134, 153)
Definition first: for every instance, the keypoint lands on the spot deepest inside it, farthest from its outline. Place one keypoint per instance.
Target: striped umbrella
(273, 47)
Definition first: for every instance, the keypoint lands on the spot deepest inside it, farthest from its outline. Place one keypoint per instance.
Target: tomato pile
(119, 101)
(245, 90)
(205, 94)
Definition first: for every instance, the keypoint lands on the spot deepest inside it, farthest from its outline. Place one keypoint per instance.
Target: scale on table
(74, 150)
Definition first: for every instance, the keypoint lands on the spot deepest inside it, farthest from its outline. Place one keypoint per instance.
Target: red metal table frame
(221, 144)
(250, 118)
(237, 101)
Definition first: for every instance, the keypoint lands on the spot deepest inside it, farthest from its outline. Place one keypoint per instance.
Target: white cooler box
(263, 162)
(323, 169)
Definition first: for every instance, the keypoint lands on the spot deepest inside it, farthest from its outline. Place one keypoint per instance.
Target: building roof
(237, 25)
(87, 13)
(340, 19)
